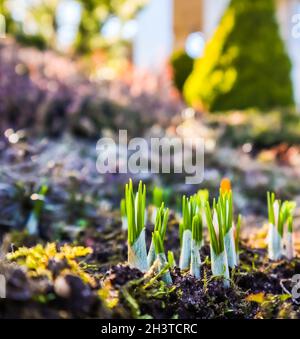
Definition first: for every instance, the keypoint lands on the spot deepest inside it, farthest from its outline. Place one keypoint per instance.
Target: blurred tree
(42, 15)
(245, 64)
(95, 13)
(39, 26)
(9, 22)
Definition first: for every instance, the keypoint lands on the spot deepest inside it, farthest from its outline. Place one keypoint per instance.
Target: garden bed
(122, 292)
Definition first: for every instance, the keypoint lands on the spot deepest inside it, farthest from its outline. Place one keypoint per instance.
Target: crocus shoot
(280, 241)
(202, 198)
(237, 238)
(171, 259)
(219, 263)
(195, 246)
(288, 208)
(161, 227)
(274, 237)
(161, 256)
(123, 215)
(225, 215)
(135, 211)
(189, 208)
(289, 250)
(38, 204)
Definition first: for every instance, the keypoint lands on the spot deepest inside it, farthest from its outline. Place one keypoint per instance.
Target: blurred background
(72, 71)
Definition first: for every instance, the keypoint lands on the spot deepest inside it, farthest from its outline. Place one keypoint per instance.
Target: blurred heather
(48, 93)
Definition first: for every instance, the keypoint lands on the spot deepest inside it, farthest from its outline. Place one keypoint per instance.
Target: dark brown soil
(122, 292)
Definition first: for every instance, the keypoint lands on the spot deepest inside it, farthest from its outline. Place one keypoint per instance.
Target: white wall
(286, 10)
(154, 40)
(213, 10)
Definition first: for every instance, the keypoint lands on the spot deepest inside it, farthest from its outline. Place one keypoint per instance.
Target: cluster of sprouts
(280, 235)
(199, 214)
(223, 233)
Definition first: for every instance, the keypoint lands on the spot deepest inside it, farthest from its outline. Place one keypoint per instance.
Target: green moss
(245, 64)
(36, 259)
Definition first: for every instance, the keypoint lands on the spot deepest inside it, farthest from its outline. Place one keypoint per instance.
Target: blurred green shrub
(36, 41)
(245, 65)
(182, 66)
(48, 94)
(261, 129)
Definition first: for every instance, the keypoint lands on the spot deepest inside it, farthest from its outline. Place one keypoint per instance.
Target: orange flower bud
(225, 185)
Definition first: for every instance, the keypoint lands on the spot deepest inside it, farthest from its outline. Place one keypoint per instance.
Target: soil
(256, 289)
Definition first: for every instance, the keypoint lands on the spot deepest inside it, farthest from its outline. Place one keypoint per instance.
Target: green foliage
(215, 231)
(245, 64)
(123, 208)
(38, 205)
(158, 243)
(160, 252)
(10, 25)
(225, 210)
(42, 14)
(197, 228)
(189, 209)
(162, 221)
(271, 200)
(40, 200)
(135, 210)
(182, 66)
(171, 259)
(262, 129)
(238, 232)
(282, 214)
(94, 14)
(38, 41)
(288, 208)
(290, 224)
(160, 227)
(202, 196)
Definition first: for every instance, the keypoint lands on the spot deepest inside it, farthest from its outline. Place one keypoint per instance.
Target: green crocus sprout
(161, 257)
(123, 215)
(161, 227)
(237, 238)
(289, 250)
(135, 211)
(280, 235)
(219, 263)
(225, 203)
(195, 246)
(203, 197)
(189, 210)
(171, 259)
(39, 201)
